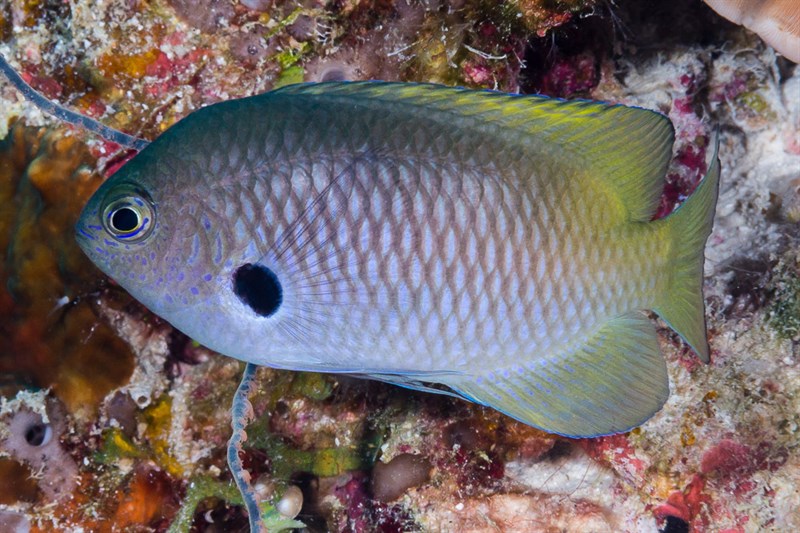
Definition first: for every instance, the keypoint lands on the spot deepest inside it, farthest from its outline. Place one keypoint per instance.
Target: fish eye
(128, 217)
(125, 219)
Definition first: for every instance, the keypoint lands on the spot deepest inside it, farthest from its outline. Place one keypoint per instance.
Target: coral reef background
(111, 420)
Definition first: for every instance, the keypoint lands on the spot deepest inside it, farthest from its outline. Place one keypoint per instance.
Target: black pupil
(124, 219)
(259, 288)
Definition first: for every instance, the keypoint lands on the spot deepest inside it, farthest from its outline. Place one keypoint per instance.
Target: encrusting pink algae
(132, 418)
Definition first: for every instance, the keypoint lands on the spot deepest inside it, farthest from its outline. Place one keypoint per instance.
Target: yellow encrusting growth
(159, 422)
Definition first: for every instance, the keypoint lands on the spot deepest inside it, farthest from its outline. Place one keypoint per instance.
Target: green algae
(290, 75)
(115, 446)
(437, 56)
(201, 488)
(274, 521)
(158, 419)
(312, 385)
(289, 19)
(286, 460)
(784, 312)
(755, 102)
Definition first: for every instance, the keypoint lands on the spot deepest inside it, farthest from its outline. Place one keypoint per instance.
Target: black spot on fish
(258, 287)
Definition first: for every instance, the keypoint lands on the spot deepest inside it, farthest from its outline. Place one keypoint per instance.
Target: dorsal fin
(626, 149)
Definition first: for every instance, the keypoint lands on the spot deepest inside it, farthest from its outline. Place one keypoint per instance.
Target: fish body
(499, 245)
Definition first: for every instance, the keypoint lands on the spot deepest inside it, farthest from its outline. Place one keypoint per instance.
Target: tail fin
(681, 306)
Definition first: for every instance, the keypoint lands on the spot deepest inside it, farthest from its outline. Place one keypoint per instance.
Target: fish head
(124, 230)
(147, 227)
(173, 228)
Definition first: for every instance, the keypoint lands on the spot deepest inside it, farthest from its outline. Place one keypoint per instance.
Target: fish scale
(432, 287)
(499, 246)
(425, 280)
(421, 212)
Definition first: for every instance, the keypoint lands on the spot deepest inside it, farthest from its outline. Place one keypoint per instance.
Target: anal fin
(416, 382)
(613, 382)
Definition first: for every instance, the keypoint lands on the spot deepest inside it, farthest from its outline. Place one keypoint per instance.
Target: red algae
(728, 458)
(571, 76)
(150, 500)
(617, 450)
(542, 16)
(686, 504)
(16, 483)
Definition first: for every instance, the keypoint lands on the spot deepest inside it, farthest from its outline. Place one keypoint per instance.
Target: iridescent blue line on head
(135, 233)
(87, 234)
(62, 113)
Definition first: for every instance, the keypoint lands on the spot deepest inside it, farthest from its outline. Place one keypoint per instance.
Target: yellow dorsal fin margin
(625, 148)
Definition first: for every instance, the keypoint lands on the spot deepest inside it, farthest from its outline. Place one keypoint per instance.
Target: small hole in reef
(259, 288)
(142, 401)
(38, 434)
(675, 525)
(334, 74)
(125, 219)
(281, 408)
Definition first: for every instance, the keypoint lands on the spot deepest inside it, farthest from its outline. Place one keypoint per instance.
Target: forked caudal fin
(681, 306)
